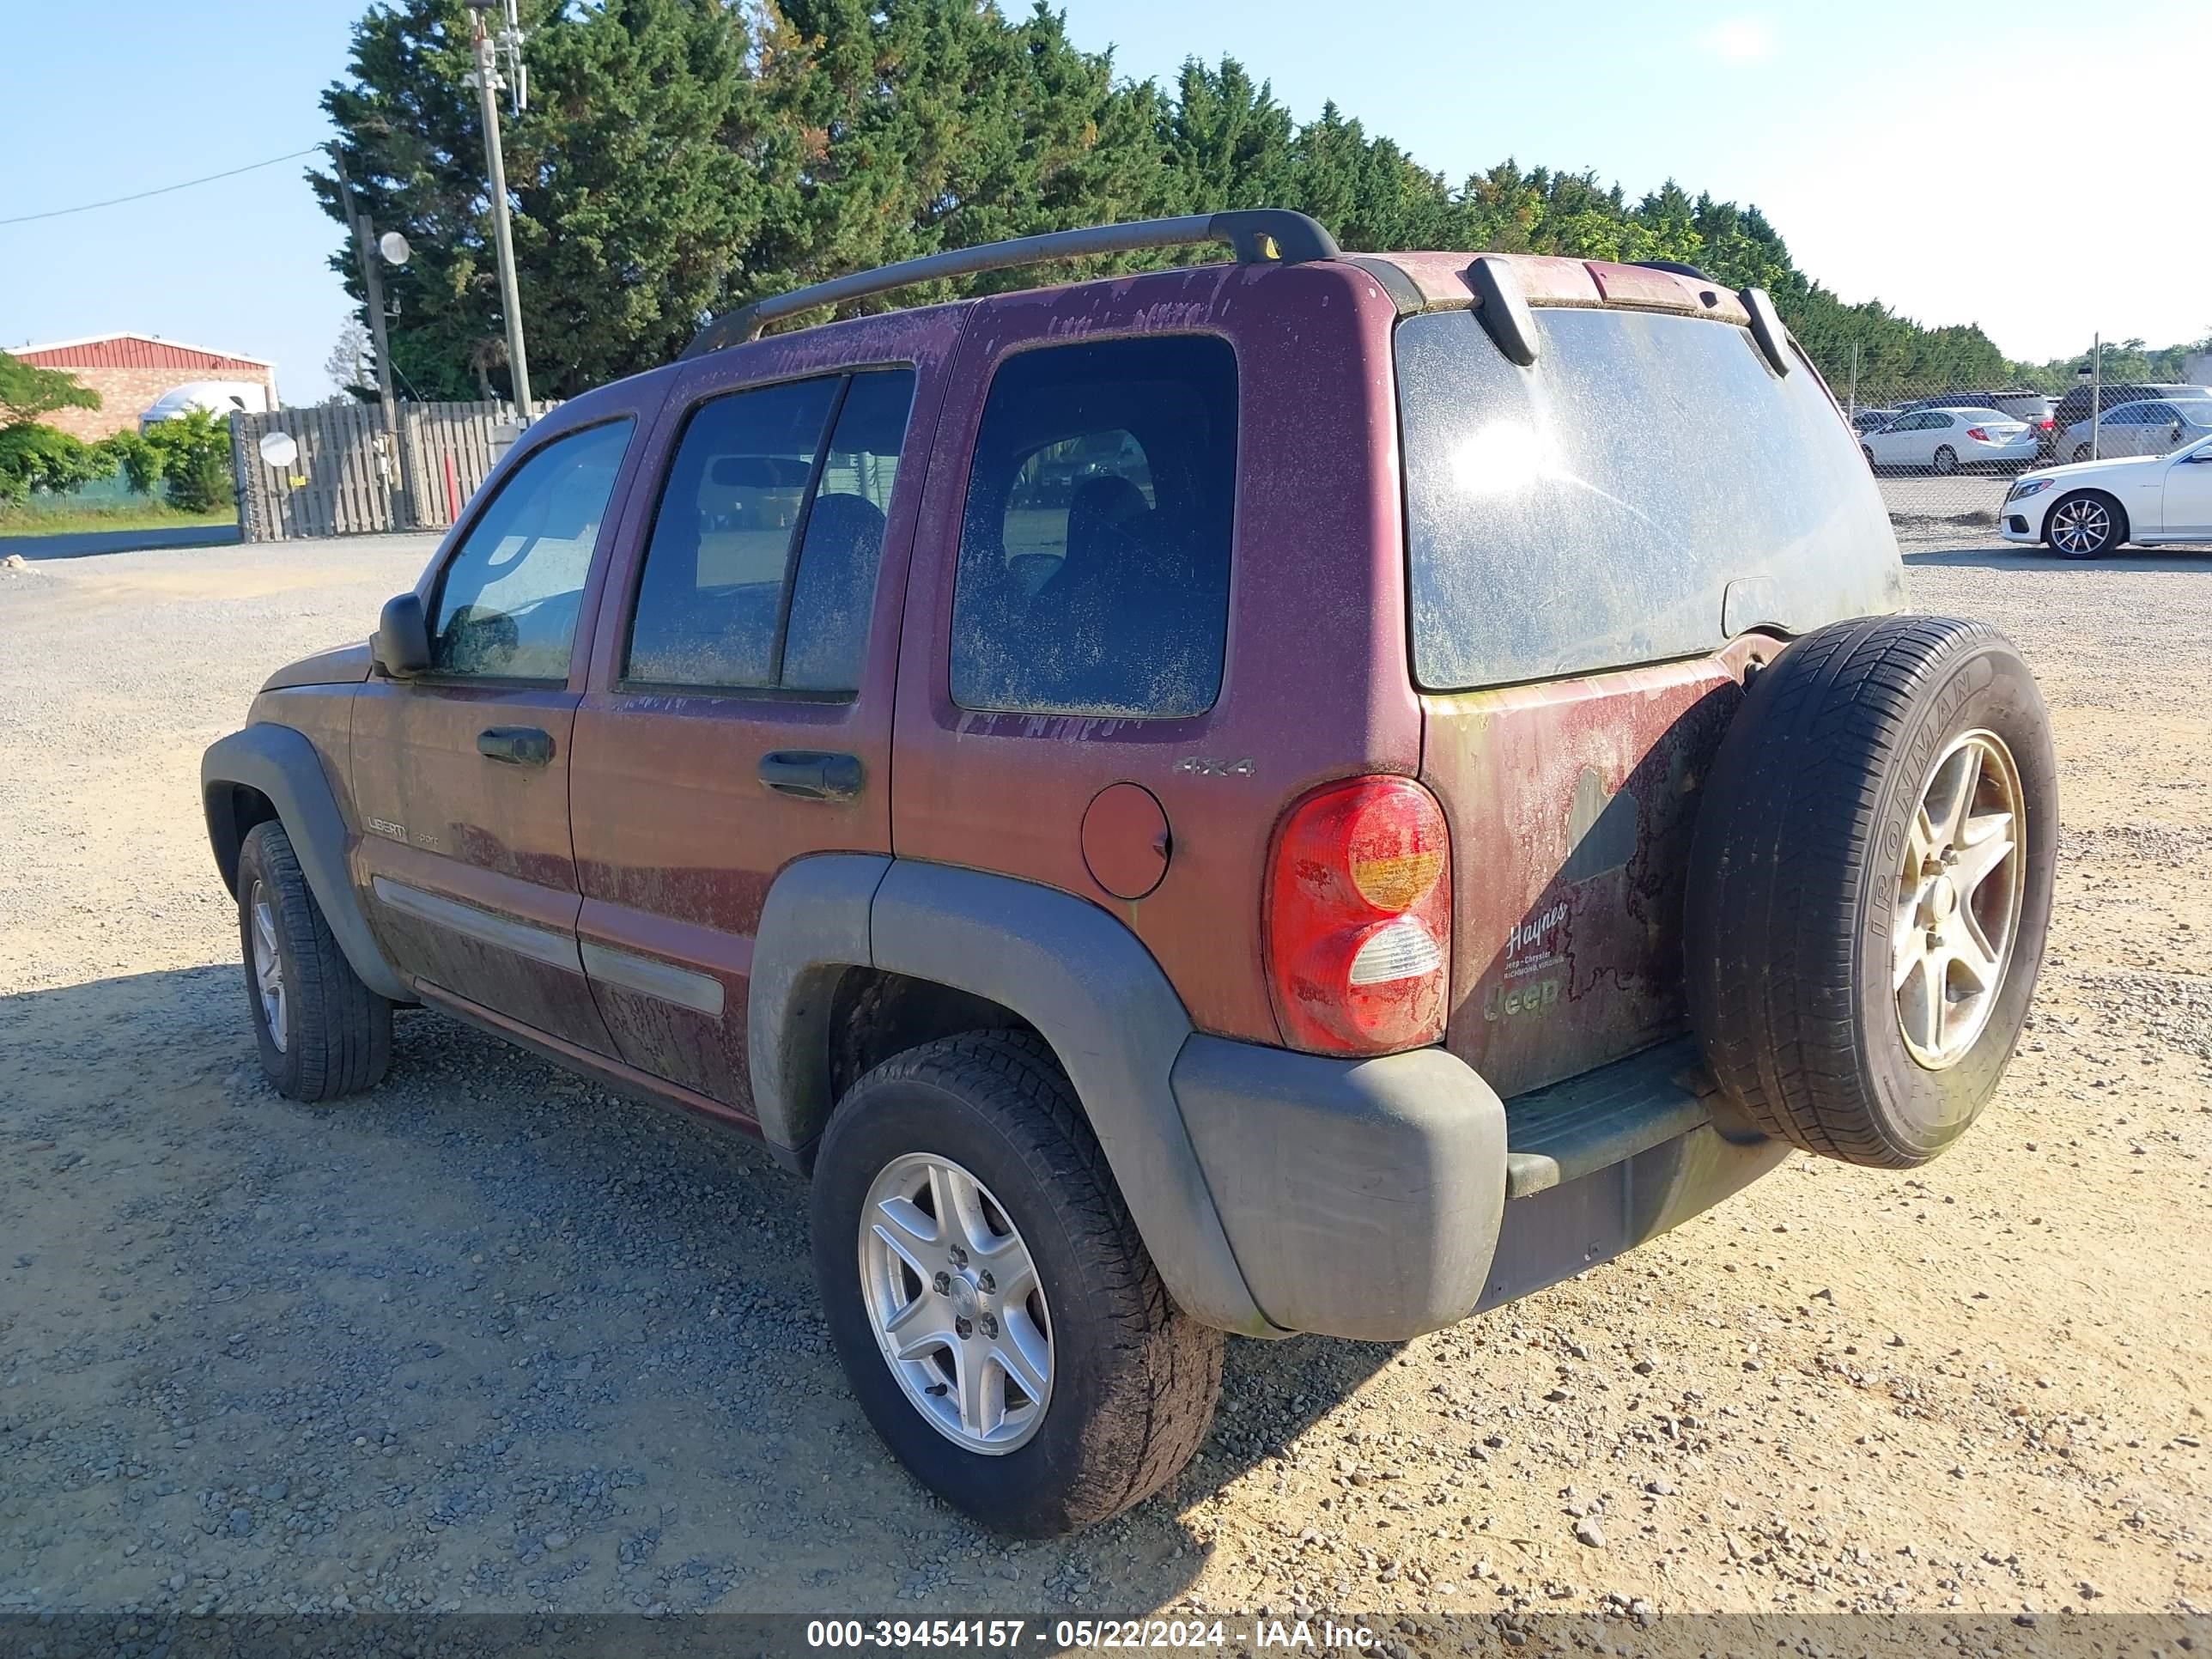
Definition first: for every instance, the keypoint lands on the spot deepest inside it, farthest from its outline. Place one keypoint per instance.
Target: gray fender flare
(1094, 993)
(812, 928)
(280, 764)
(1075, 972)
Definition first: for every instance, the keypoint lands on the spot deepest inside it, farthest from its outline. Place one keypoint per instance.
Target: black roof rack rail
(1260, 235)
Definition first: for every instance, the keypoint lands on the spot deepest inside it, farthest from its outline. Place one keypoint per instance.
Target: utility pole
(488, 86)
(2096, 395)
(372, 279)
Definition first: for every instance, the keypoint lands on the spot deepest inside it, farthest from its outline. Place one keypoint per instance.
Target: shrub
(35, 457)
(191, 455)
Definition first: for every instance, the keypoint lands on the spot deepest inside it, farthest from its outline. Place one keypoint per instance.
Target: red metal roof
(134, 351)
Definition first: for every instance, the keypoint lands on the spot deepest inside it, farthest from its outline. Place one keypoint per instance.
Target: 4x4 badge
(1206, 767)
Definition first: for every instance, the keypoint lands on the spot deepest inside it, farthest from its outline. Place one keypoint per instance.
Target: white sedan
(1947, 439)
(2089, 509)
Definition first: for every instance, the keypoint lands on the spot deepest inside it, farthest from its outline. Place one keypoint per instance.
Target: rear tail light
(1358, 922)
(1977, 434)
(2047, 426)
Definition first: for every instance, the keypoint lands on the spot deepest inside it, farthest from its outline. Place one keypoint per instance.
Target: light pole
(394, 247)
(487, 85)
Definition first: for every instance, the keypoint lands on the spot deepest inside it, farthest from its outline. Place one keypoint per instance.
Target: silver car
(2149, 426)
(1946, 440)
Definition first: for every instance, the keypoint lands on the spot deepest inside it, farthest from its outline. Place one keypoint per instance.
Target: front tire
(1025, 1361)
(2086, 526)
(321, 1033)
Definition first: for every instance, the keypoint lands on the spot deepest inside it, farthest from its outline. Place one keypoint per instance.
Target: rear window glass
(1646, 477)
(1094, 551)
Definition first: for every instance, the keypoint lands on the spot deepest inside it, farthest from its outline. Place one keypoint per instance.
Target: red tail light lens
(1978, 436)
(1358, 922)
(2047, 426)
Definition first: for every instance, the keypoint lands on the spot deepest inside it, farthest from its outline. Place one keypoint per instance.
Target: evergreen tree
(638, 178)
(681, 156)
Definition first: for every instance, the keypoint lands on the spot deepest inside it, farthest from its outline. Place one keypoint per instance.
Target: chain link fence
(1946, 453)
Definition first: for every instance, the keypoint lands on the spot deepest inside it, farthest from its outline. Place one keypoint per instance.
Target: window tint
(719, 579)
(1094, 551)
(711, 596)
(833, 590)
(508, 601)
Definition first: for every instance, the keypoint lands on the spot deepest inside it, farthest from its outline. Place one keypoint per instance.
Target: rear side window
(1647, 487)
(507, 603)
(761, 570)
(1094, 551)
(833, 589)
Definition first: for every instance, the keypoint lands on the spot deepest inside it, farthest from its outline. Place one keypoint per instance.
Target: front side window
(761, 571)
(506, 604)
(1094, 548)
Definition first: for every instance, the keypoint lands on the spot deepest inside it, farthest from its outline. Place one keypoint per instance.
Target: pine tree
(680, 156)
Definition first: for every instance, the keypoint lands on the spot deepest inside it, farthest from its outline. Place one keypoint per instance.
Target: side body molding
(1094, 993)
(280, 764)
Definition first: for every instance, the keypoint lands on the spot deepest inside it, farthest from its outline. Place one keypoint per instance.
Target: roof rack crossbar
(1260, 235)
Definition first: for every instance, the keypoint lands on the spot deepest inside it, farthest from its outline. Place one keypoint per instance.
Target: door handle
(810, 775)
(516, 745)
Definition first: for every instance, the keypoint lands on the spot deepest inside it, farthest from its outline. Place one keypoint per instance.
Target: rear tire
(321, 1032)
(1870, 886)
(2087, 524)
(1129, 1381)
(1947, 460)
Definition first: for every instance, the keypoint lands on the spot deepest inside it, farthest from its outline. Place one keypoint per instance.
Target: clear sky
(2034, 165)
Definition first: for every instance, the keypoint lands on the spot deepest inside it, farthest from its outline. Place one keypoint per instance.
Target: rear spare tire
(1870, 885)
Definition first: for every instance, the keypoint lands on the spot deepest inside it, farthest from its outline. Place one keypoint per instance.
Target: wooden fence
(347, 479)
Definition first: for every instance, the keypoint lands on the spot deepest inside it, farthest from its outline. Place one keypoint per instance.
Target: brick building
(130, 371)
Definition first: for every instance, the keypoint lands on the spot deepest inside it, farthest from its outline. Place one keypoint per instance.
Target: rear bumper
(1380, 1199)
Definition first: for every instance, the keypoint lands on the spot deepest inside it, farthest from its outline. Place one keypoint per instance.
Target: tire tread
(1786, 845)
(342, 1040)
(1168, 1367)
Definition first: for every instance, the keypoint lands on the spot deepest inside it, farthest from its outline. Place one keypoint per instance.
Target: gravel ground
(488, 1338)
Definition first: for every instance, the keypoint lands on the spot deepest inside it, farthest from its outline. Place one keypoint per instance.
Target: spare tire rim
(1958, 900)
(957, 1304)
(268, 965)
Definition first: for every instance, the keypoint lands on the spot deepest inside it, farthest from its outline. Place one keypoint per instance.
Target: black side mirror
(402, 646)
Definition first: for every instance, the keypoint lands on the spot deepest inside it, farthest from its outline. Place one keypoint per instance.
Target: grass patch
(76, 517)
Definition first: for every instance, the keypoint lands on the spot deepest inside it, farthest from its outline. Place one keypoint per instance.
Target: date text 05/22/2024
(1016, 1634)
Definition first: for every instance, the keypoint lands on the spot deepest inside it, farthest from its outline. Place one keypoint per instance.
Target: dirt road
(489, 1338)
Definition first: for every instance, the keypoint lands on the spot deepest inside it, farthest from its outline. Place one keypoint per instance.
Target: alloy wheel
(957, 1304)
(2082, 525)
(1958, 899)
(268, 965)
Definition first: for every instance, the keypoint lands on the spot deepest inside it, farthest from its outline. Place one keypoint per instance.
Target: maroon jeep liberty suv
(1314, 793)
